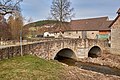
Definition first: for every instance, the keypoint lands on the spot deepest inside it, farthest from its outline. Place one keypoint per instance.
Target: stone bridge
(52, 49)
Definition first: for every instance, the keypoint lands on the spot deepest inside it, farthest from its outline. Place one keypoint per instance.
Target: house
(115, 34)
(87, 28)
(47, 34)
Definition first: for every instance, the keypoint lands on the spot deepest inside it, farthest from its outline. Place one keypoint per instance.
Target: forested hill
(39, 27)
(41, 23)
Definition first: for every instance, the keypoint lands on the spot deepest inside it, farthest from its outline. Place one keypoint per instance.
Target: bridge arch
(94, 52)
(66, 52)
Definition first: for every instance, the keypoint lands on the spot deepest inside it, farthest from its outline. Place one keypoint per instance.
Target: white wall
(92, 34)
(69, 34)
(77, 34)
(47, 34)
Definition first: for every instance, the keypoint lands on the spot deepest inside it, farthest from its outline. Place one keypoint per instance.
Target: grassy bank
(33, 68)
(30, 68)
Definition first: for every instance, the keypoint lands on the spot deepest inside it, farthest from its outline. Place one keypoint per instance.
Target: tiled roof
(92, 24)
(118, 11)
(105, 25)
(101, 23)
(115, 18)
(57, 27)
(114, 21)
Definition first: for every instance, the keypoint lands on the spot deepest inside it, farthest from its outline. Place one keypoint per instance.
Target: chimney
(118, 12)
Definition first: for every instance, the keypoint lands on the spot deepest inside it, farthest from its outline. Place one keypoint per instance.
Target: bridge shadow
(65, 53)
(94, 52)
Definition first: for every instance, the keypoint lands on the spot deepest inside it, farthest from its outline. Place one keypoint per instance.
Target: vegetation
(33, 68)
(61, 10)
(15, 22)
(5, 33)
(36, 28)
(40, 23)
(9, 6)
(30, 68)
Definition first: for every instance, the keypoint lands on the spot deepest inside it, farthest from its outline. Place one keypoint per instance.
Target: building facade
(87, 28)
(115, 35)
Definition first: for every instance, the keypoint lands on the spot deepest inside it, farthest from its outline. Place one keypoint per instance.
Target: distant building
(87, 28)
(115, 34)
(47, 34)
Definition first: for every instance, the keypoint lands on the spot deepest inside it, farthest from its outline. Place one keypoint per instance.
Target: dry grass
(29, 68)
(33, 68)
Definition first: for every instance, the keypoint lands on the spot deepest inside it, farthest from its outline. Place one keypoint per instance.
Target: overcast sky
(40, 9)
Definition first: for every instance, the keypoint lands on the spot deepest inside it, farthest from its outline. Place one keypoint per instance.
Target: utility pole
(21, 50)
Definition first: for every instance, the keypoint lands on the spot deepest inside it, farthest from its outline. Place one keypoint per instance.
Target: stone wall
(92, 34)
(70, 34)
(8, 52)
(77, 34)
(115, 37)
(49, 49)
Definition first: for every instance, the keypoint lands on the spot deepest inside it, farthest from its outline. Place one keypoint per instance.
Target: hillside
(39, 27)
(41, 23)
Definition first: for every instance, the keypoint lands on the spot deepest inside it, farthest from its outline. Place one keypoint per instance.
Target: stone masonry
(115, 35)
(49, 49)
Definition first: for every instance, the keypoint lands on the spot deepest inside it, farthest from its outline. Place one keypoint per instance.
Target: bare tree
(61, 10)
(9, 6)
(16, 23)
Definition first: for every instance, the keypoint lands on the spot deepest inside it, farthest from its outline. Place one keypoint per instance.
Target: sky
(40, 9)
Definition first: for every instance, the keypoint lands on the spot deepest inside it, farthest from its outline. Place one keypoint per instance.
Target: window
(76, 32)
(62, 32)
(69, 33)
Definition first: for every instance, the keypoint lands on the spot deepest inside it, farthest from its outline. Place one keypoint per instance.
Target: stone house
(115, 34)
(87, 28)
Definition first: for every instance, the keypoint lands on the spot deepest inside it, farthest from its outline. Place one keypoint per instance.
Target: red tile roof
(105, 25)
(101, 23)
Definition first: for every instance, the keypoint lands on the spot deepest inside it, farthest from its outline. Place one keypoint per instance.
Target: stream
(90, 66)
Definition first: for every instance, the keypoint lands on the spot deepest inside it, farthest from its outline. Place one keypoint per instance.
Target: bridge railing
(17, 42)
